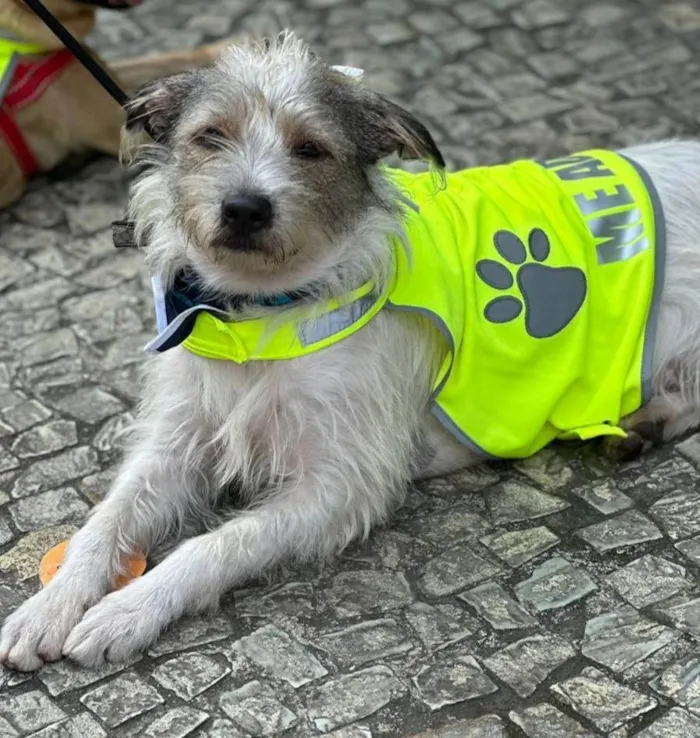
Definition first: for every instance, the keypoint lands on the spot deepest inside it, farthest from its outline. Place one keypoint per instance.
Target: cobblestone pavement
(556, 598)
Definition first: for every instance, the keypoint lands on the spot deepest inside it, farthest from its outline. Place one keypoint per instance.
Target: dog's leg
(302, 522)
(150, 495)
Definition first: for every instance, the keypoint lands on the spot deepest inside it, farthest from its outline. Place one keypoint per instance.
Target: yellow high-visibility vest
(544, 279)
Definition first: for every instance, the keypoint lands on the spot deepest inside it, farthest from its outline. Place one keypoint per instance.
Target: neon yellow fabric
(541, 278)
(261, 339)
(9, 50)
(506, 391)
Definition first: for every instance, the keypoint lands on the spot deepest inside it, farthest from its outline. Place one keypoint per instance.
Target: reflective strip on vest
(297, 331)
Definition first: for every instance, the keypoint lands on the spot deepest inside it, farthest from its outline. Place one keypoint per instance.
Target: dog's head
(264, 166)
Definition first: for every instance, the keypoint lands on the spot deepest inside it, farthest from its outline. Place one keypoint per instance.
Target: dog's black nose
(246, 214)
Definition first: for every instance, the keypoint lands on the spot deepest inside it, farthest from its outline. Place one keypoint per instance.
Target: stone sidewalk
(556, 598)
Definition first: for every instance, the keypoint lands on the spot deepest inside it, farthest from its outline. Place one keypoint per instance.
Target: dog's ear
(157, 106)
(396, 130)
(380, 127)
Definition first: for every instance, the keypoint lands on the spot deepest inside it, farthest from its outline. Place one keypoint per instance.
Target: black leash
(122, 230)
(79, 51)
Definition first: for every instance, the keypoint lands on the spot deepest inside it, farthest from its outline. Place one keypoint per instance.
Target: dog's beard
(269, 249)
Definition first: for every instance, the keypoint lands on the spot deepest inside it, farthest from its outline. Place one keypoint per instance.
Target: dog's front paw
(36, 631)
(118, 628)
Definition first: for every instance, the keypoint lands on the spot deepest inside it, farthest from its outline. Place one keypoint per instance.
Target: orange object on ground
(135, 566)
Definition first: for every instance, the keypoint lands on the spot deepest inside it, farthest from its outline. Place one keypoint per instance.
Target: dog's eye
(210, 138)
(309, 150)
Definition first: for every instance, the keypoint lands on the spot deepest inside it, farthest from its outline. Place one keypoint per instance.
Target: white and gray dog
(321, 446)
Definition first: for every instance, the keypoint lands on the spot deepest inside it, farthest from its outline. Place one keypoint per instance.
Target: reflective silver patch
(624, 234)
(318, 329)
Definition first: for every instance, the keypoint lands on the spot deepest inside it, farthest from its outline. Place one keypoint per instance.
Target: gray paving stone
(674, 724)
(96, 486)
(281, 656)
(451, 526)
(30, 711)
(12, 270)
(56, 471)
(45, 439)
(546, 468)
(353, 697)
(523, 109)
(176, 723)
(191, 633)
(43, 347)
(678, 514)
(90, 404)
(432, 21)
(488, 726)
(390, 32)
(365, 642)
(606, 703)
(554, 584)
(545, 721)
(66, 676)
(553, 65)
(513, 502)
(451, 681)
(649, 580)
(434, 627)
(628, 529)
(222, 728)
(255, 708)
(292, 600)
(539, 14)
(26, 414)
(356, 592)
(519, 546)
(6, 534)
(691, 550)
(455, 569)
(352, 731)
(23, 559)
(190, 674)
(497, 608)
(524, 665)
(684, 615)
(50, 508)
(121, 699)
(604, 497)
(57, 374)
(38, 295)
(80, 726)
(622, 638)
(681, 683)
(690, 448)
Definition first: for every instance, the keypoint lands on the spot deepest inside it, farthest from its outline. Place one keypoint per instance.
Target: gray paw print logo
(551, 296)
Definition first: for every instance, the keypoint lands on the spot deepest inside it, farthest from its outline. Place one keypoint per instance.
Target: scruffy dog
(264, 200)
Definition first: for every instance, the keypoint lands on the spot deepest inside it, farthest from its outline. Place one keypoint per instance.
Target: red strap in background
(30, 78)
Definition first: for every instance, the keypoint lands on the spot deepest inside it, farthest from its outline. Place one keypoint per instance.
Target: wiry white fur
(322, 446)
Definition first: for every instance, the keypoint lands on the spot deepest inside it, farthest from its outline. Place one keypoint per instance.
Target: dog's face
(268, 161)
